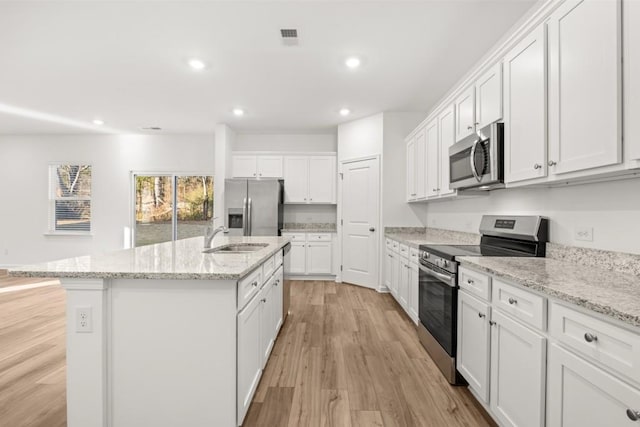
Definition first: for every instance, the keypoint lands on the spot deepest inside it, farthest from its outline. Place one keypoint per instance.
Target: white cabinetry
(489, 97)
(525, 114)
(310, 179)
(412, 177)
(518, 357)
(267, 320)
(256, 166)
(433, 159)
(416, 166)
(403, 284)
(465, 106)
(631, 43)
(446, 124)
(311, 254)
(584, 85)
(402, 276)
(414, 285)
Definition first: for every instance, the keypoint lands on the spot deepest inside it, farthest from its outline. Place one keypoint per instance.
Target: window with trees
(171, 207)
(70, 198)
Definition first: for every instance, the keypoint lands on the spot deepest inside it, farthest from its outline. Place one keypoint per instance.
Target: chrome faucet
(210, 233)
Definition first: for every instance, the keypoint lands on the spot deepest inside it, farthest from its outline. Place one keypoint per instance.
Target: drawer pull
(492, 323)
(254, 284)
(513, 301)
(633, 415)
(481, 315)
(470, 281)
(263, 300)
(590, 337)
(277, 282)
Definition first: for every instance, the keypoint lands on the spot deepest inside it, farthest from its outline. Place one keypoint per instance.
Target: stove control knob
(425, 254)
(445, 263)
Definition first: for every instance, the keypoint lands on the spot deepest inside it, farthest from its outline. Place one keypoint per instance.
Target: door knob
(372, 229)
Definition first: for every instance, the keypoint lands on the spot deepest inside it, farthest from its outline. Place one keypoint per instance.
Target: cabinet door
(249, 354)
(297, 258)
(518, 357)
(420, 165)
(433, 159)
(270, 167)
(465, 107)
(411, 170)
(584, 85)
(322, 179)
(388, 269)
(489, 96)
(525, 114)
(278, 297)
(267, 321)
(631, 43)
(473, 343)
(244, 166)
(296, 179)
(319, 256)
(413, 292)
(395, 274)
(580, 394)
(403, 284)
(447, 124)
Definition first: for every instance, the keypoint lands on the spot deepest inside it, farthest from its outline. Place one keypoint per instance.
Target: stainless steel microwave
(477, 161)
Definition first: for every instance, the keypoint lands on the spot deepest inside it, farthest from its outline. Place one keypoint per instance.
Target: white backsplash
(310, 213)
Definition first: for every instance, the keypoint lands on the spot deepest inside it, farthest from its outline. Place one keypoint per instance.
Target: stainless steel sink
(237, 248)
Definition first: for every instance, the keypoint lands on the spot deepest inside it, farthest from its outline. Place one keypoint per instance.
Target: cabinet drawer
(404, 250)
(319, 237)
(395, 246)
(296, 237)
(249, 286)
(523, 305)
(413, 255)
(269, 267)
(389, 244)
(611, 345)
(475, 283)
(279, 257)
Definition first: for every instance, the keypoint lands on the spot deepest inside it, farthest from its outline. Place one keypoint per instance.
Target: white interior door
(360, 206)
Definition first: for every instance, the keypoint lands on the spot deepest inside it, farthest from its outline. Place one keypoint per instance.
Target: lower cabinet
(395, 274)
(297, 258)
(518, 369)
(267, 320)
(403, 284)
(581, 394)
(250, 354)
(310, 254)
(414, 283)
(319, 257)
(401, 277)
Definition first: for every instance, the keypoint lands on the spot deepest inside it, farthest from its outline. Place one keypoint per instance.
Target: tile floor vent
(289, 36)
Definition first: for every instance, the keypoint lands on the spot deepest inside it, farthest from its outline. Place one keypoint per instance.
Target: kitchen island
(166, 335)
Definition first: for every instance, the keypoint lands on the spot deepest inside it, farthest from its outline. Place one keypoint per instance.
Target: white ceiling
(126, 62)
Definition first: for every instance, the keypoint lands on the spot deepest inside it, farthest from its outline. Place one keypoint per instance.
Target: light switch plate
(583, 233)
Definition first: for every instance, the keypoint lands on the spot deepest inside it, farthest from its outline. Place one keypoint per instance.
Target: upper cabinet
(631, 43)
(584, 85)
(433, 159)
(310, 179)
(411, 170)
(446, 124)
(465, 107)
(416, 166)
(256, 166)
(525, 109)
(489, 97)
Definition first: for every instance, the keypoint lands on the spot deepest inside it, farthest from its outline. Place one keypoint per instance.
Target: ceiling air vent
(289, 36)
(151, 128)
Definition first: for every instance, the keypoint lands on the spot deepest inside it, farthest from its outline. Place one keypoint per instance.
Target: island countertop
(180, 260)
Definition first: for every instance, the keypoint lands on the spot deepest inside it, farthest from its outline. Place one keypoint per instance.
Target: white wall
(361, 138)
(24, 186)
(285, 142)
(611, 208)
(310, 213)
(224, 142)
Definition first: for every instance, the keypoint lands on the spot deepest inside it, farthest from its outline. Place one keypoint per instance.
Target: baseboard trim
(315, 278)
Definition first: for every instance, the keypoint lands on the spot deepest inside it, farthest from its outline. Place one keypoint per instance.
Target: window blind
(70, 198)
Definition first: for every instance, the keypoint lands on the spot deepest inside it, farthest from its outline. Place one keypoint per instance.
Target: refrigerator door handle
(244, 217)
(249, 217)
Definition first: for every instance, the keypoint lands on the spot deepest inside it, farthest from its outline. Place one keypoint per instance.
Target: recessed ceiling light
(197, 64)
(345, 112)
(353, 62)
(98, 122)
(238, 112)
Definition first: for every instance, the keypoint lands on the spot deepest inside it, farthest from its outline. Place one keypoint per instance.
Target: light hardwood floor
(347, 356)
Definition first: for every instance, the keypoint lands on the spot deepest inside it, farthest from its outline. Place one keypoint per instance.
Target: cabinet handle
(254, 284)
(470, 281)
(263, 300)
(277, 282)
(434, 189)
(491, 322)
(305, 199)
(633, 414)
(260, 174)
(590, 337)
(254, 174)
(551, 163)
(513, 301)
(481, 315)
(537, 166)
(469, 127)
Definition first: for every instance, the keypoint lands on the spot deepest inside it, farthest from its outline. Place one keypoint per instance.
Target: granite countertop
(311, 227)
(613, 294)
(432, 237)
(182, 260)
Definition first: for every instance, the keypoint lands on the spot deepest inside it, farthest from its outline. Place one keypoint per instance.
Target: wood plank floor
(349, 356)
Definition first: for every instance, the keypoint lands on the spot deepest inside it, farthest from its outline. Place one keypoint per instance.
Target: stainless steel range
(438, 289)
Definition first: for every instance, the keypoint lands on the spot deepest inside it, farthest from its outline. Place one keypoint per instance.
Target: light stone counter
(309, 227)
(181, 260)
(415, 237)
(613, 294)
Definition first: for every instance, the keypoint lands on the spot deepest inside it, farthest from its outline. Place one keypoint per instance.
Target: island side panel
(172, 353)
(86, 354)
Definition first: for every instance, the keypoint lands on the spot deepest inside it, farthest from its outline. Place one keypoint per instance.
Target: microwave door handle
(472, 157)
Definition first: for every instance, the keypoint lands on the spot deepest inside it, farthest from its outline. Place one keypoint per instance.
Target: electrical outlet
(84, 322)
(583, 233)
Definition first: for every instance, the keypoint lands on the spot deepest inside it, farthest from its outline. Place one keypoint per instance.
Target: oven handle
(472, 160)
(448, 279)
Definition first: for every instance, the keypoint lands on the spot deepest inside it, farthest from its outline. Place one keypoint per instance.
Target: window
(70, 199)
(171, 207)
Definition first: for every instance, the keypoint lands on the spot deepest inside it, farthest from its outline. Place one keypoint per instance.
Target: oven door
(438, 304)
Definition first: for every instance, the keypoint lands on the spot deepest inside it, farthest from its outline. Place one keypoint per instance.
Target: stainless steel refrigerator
(253, 207)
